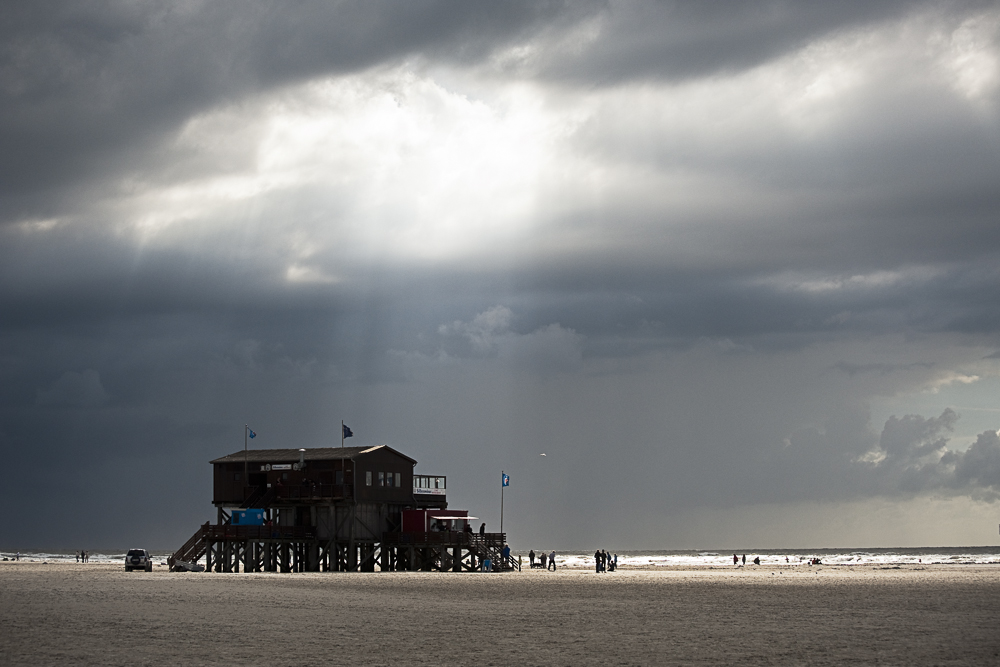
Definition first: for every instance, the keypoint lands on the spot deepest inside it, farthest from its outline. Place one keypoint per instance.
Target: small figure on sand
(552, 561)
(597, 561)
(531, 558)
(736, 559)
(541, 561)
(756, 560)
(744, 559)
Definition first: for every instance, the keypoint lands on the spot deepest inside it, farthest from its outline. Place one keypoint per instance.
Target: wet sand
(98, 614)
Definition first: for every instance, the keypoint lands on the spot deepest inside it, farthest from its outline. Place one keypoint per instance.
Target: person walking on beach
(506, 556)
(78, 556)
(531, 557)
(744, 559)
(736, 559)
(597, 561)
(552, 561)
(541, 560)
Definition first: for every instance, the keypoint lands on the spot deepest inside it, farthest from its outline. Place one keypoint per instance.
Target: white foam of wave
(792, 558)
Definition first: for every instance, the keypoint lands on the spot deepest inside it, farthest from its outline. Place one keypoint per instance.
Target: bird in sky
(543, 454)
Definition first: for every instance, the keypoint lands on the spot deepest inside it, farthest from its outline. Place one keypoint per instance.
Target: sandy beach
(98, 614)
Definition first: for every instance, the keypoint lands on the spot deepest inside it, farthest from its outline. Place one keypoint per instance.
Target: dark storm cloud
(88, 88)
(916, 458)
(91, 88)
(680, 40)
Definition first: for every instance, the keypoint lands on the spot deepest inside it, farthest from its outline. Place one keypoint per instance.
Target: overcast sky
(734, 267)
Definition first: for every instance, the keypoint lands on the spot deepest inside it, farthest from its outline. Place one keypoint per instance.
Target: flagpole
(501, 500)
(341, 433)
(246, 429)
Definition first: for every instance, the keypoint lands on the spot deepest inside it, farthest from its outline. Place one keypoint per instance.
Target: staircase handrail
(189, 546)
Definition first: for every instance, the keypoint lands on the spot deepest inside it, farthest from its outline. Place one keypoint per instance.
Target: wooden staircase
(192, 550)
(490, 547)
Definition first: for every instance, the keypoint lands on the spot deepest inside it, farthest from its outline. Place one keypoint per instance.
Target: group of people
(83, 557)
(756, 560)
(605, 562)
(542, 558)
(736, 560)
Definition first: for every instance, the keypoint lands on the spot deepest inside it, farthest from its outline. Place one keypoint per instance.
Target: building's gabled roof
(314, 454)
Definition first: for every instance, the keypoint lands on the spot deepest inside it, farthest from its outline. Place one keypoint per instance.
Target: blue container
(248, 518)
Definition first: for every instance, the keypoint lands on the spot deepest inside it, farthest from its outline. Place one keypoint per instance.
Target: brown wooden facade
(362, 474)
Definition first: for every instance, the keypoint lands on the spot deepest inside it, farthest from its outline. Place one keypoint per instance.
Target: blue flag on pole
(252, 434)
(506, 479)
(348, 433)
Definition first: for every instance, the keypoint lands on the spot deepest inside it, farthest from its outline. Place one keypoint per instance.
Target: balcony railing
(448, 538)
(230, 532)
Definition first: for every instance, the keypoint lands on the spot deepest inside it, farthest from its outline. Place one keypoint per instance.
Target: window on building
(236, 476)
(339, 477)
(399, 480)
(381, 479)
(368, 478)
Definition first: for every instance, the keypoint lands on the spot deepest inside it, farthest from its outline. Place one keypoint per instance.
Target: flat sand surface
(99, 614)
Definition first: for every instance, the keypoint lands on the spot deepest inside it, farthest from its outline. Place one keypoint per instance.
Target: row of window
(385, 479)
(425, 482)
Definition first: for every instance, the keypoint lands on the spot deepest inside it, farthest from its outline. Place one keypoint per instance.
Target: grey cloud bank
(686, 250)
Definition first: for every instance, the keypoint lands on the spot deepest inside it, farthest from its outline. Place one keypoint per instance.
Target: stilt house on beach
(334, 509)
